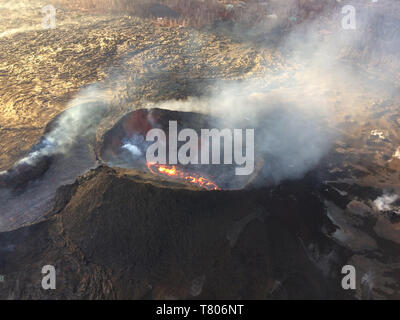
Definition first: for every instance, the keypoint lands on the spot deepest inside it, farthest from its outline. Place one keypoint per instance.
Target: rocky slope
(138, 60)
(113, 233)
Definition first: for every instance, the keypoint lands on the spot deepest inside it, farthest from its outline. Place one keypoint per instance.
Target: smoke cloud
(385, 202)
(292, 110)
(78, 120)
(67, 143)
(290, 106)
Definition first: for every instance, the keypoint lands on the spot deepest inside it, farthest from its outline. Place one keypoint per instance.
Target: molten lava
(172, 171)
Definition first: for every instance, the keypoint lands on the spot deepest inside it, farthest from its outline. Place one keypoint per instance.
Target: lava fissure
(173, 171)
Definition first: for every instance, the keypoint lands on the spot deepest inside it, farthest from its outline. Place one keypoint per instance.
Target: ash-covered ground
(325, 101)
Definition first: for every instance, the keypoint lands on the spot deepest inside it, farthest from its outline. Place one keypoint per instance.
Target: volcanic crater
(116, 227)
(125, 146)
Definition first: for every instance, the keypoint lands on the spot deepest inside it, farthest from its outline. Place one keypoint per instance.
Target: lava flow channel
(172, 171)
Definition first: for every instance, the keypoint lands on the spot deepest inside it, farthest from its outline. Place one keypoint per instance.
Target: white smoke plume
(69, 135)
(292, 109)
(294, 122)
(384, 203)
(133, 149)
(83, 112)
(292, 136)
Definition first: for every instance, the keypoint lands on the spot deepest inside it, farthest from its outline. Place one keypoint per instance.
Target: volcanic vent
(125, 146)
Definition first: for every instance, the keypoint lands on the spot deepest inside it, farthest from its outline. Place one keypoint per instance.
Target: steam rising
(293, 123)
(291, 131)
(84, 111)
(289, 107)
(67, 141)
(133, 149)
(384, 203)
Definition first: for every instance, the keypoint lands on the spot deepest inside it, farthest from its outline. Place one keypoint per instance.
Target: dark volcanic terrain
(122, 233)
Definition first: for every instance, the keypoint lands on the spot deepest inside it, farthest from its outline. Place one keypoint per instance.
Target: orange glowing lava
(172, 171)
